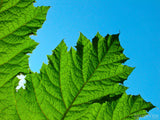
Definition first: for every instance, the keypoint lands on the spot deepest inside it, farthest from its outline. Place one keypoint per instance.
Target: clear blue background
(138, 22)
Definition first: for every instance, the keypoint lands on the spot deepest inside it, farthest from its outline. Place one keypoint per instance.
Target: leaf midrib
(13, 32)
(86, 82)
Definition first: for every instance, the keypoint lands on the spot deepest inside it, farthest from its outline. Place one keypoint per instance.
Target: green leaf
(18, 20)
(125, 107)
(82, 84)
(75, 81)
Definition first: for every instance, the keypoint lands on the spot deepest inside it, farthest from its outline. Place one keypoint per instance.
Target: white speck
(21, 82)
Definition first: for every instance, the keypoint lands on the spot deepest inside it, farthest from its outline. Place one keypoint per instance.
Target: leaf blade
(18, 20)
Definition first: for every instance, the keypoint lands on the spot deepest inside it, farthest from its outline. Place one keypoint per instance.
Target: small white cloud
(21, 82)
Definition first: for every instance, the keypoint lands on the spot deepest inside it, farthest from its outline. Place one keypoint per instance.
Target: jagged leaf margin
(72, 84)
(82, 84)
(18, 20)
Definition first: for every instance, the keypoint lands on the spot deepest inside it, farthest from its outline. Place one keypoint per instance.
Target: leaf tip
(98, 33)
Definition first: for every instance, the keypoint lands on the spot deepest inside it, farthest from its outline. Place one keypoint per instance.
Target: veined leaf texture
(81, 84)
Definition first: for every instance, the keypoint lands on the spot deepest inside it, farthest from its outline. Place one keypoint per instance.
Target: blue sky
(138, 22)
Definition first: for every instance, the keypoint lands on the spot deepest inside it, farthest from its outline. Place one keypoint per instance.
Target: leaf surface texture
(85, 83)
(18, 20)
